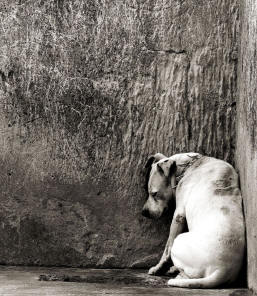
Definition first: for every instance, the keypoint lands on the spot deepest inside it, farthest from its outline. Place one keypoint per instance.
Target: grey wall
(247, 131)
(89, 90)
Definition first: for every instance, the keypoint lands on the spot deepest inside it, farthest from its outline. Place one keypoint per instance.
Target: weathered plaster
(89, 90)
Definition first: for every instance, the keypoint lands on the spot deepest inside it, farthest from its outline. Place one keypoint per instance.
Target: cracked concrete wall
(246, 156)
(89, 90)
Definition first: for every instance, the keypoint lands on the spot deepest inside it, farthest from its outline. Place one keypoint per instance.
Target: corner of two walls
(88, 90)
(246, 148)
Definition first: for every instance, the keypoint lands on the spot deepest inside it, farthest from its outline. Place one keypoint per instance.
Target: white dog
(208, 199)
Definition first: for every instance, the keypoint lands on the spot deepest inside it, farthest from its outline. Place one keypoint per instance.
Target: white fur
(211, 253)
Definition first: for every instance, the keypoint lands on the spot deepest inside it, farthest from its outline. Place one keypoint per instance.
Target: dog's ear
(154, 158)
(173, 169)
(172, 175)
(160, 169)
(167, 168)
(148, 166)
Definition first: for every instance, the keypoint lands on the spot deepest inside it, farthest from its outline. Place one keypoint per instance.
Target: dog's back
(210, 191)
(214, 246)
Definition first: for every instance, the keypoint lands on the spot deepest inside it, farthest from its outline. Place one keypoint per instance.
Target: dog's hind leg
(213, 280)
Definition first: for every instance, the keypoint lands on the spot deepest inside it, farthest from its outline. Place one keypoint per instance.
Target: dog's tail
(213, 280)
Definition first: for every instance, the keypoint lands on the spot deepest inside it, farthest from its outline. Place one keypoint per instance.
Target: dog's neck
(183, 165)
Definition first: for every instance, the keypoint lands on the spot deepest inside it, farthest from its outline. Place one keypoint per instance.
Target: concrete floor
(23, 281)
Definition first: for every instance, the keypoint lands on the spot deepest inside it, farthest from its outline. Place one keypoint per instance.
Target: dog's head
(160, 183)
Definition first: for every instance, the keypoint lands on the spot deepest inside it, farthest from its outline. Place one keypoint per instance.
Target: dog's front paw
(155, 270)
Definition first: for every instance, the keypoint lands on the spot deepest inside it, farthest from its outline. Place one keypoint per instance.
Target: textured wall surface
(247, 131)
(88, 90)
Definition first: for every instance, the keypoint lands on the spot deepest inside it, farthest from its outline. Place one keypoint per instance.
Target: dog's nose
(145, 213)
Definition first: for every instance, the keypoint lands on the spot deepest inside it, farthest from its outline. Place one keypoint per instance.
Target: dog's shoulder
(211, 169)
